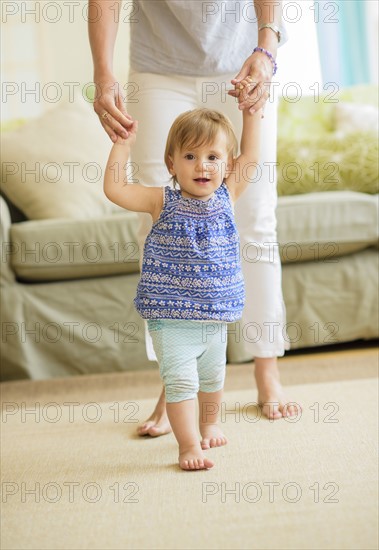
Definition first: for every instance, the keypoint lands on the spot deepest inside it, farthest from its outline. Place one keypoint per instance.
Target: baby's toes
(292, 409)
(208, 463)
(215, 442)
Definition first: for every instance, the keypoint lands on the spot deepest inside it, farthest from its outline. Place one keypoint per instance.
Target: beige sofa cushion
(315, 226)
(324, 226)
(53, 250)
(68, 150)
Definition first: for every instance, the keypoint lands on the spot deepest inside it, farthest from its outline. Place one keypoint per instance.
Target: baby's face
(201, 170)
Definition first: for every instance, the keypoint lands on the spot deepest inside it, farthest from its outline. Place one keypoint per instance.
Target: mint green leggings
(191, 356)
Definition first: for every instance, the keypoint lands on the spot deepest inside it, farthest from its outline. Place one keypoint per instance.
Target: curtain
(343, 43)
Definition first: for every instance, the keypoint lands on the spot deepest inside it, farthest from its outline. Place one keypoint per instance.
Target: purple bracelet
(270, 56)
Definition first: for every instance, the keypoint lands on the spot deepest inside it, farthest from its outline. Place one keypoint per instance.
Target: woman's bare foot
(158, 423)
(271, 397)
(192, 458)
(212, 436)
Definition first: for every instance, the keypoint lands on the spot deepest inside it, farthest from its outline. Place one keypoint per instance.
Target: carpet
(75, 475)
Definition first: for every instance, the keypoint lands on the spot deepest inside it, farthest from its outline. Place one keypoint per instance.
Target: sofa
(70, 263)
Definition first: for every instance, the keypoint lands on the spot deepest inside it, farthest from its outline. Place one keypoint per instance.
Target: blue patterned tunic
(191, 264)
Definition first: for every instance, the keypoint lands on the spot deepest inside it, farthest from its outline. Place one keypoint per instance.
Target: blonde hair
(196, 128)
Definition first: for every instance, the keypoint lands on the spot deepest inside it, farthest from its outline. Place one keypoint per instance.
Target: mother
(183, 54)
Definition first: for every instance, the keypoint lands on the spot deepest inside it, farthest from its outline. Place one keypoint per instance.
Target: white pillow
(69, 149)
(353, 117)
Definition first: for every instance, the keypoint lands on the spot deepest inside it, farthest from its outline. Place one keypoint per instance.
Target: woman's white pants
(155, 101)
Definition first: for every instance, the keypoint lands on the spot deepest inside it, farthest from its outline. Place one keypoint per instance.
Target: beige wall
(38, 51)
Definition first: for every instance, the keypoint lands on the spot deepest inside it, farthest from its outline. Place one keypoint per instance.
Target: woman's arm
(268, 11)
(102, 31)
(137, 198)
(258, 64)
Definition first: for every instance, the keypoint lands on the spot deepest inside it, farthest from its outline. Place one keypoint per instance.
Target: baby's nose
(200, 166)
(208, 167)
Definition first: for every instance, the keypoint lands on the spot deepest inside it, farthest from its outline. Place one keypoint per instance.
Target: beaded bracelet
(270, 56)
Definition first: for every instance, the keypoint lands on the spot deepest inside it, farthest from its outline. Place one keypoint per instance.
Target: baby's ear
(171, 165)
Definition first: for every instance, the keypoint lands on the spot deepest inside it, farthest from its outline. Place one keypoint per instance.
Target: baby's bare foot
(157, 424)
(212, 436)
(192, 458)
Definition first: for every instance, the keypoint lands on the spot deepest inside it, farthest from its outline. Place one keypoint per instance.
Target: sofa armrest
(7, 275)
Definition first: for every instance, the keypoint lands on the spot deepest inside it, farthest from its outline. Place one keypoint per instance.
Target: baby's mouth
(202, 180)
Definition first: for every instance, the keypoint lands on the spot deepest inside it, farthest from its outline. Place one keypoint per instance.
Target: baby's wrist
(118, 144)
(123, 143)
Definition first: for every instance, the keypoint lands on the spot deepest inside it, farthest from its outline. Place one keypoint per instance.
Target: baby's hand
(244, 83)
(131, 139)
(245, 87)
(248, 86)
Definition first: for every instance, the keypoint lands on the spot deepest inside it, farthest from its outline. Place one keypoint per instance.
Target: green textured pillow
(304, 118)
(312, 115)
(333, 162)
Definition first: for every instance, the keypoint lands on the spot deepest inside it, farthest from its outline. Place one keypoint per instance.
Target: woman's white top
(192, 38)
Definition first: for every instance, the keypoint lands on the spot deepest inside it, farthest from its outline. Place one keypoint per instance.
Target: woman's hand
(251, 85)
(109, 105)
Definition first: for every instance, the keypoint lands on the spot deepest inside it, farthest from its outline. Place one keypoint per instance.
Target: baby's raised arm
(246, 163)
(137, 198)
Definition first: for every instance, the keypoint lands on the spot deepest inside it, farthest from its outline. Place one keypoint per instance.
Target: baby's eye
(189, 156)
(212, 157)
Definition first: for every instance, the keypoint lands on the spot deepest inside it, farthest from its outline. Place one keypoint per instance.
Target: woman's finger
(119, 120)
(234, 93)
(242, 74)
(112, 126)
(107, 103)
(259, 105)
(113, 136)
(121, 104)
